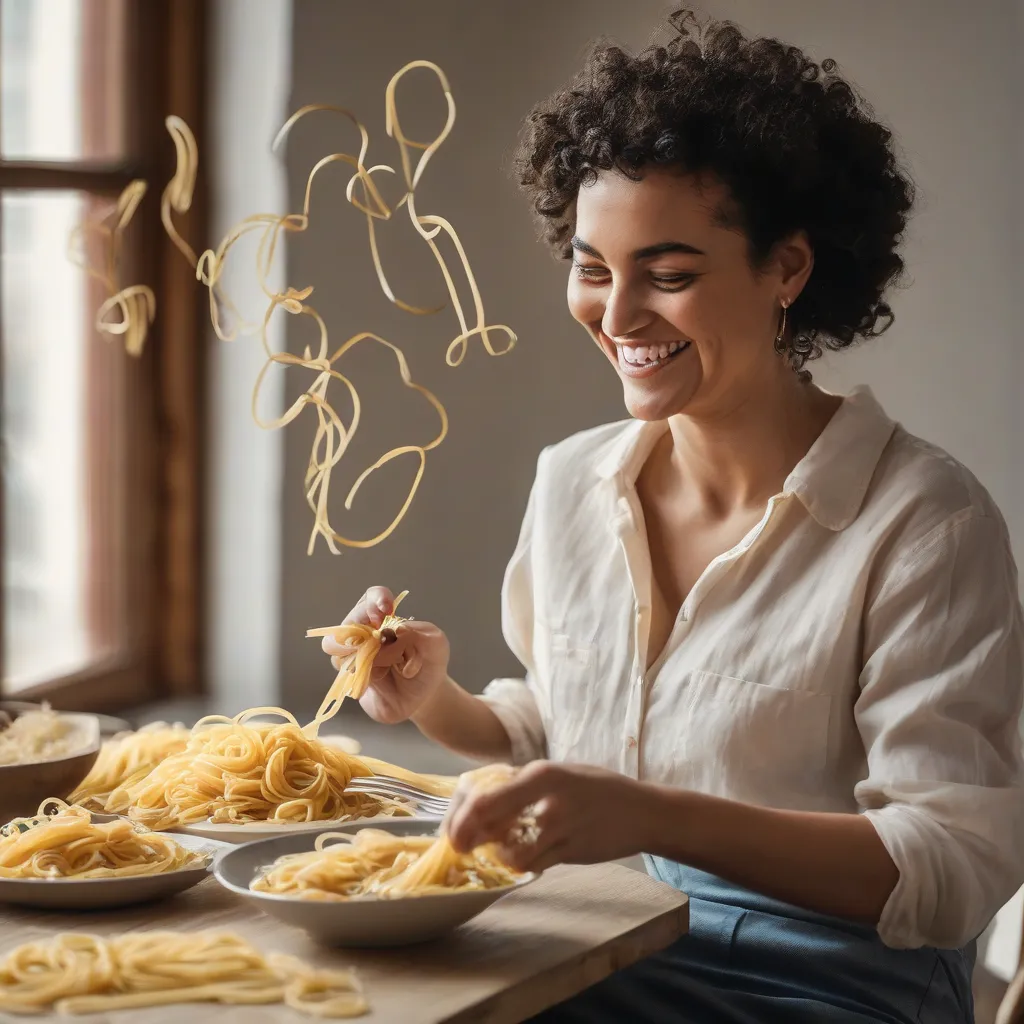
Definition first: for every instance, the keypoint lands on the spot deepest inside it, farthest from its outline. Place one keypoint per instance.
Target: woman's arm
(463, 723)
(830, 863)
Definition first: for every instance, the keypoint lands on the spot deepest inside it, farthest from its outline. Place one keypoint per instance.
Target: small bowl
(23, 787)
(108, 893)
(109, 725)
(363, 921)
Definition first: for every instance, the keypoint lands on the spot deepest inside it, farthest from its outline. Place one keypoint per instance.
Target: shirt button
(631, 742)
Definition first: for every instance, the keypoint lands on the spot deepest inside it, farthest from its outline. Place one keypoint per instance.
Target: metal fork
(385, 785)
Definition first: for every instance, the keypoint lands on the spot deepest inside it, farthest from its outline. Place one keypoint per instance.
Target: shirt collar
(831, 480)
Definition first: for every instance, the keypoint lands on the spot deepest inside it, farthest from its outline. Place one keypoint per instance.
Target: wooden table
(566, 931)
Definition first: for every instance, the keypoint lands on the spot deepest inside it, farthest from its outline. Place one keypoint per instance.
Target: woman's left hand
(583, 815)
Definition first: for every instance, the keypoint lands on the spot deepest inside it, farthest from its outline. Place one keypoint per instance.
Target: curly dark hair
(796, 147)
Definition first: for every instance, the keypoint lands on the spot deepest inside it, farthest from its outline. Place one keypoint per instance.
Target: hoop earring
(782, 323)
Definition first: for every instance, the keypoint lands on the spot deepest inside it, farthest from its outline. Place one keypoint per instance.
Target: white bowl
(106, 893)
(366, 921)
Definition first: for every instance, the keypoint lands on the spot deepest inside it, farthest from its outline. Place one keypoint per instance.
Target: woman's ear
(792, 262)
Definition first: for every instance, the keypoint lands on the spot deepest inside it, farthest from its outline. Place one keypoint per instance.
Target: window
(99, 451)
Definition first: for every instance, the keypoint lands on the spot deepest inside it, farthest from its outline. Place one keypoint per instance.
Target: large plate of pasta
(391, 883)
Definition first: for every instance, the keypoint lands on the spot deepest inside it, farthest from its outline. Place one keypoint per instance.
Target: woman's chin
(651, 403)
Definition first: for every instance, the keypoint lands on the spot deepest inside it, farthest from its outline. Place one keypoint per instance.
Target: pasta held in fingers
(377, 863)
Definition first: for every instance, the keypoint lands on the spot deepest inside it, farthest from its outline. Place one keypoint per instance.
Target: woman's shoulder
(920, 490)
(592, 448)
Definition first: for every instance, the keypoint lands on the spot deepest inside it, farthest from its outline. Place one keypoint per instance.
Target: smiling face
(667, 291)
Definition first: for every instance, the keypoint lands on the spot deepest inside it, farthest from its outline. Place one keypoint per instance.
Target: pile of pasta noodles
(77, 973)
(234, 771)
(124, 760)
(67, 843)
(377, 863)
(238, 771)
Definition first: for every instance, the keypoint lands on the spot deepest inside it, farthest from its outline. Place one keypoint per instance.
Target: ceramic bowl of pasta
(389, 884)
(43, 753)
(67, 858)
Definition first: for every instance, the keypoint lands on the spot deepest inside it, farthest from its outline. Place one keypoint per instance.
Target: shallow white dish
(254, 831)
(107, 893)
(366, 921)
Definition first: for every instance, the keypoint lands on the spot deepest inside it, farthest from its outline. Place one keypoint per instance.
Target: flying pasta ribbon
(79, 973)
(333, 436)
(135, 304)
(424, 222)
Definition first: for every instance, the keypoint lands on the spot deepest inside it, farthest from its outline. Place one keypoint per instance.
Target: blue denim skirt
(748, 959)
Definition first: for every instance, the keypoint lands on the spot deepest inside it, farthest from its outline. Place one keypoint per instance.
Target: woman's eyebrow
(645, 253)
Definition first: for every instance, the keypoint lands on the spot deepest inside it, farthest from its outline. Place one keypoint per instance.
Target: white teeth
(643, 355)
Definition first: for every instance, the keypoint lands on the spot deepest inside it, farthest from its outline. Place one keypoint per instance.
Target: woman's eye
(589, 273)
(673, 282)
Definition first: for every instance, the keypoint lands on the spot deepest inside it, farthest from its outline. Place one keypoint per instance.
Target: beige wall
(941, 72)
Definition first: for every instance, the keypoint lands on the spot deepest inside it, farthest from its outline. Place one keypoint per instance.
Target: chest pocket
(567, 665)
(748, 740)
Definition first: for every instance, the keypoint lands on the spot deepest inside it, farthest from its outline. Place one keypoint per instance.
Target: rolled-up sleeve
(515, 701)
(939, 711)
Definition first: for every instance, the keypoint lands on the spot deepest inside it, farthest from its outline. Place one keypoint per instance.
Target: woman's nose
(623, 313)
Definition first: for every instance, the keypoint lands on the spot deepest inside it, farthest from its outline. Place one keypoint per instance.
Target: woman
(768, 634)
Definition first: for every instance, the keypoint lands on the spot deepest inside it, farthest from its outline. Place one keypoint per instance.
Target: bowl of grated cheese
(43, 753)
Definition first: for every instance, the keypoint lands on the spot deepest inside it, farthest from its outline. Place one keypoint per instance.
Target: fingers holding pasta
(400, 663)
(550, 813)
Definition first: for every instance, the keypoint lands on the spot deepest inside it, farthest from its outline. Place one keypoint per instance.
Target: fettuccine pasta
(377, 863)
(124, 759)
(77, 973)
(234, 771)
(354, 674)
(67, 843)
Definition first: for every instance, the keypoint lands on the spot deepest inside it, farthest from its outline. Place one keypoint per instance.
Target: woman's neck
(739, 457)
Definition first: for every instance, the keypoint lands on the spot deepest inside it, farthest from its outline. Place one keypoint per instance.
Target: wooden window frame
(164, 390)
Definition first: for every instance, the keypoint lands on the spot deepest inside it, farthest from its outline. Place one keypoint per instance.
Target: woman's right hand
(407, 673)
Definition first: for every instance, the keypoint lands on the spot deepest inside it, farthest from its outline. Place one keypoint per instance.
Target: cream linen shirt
(860, 650)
